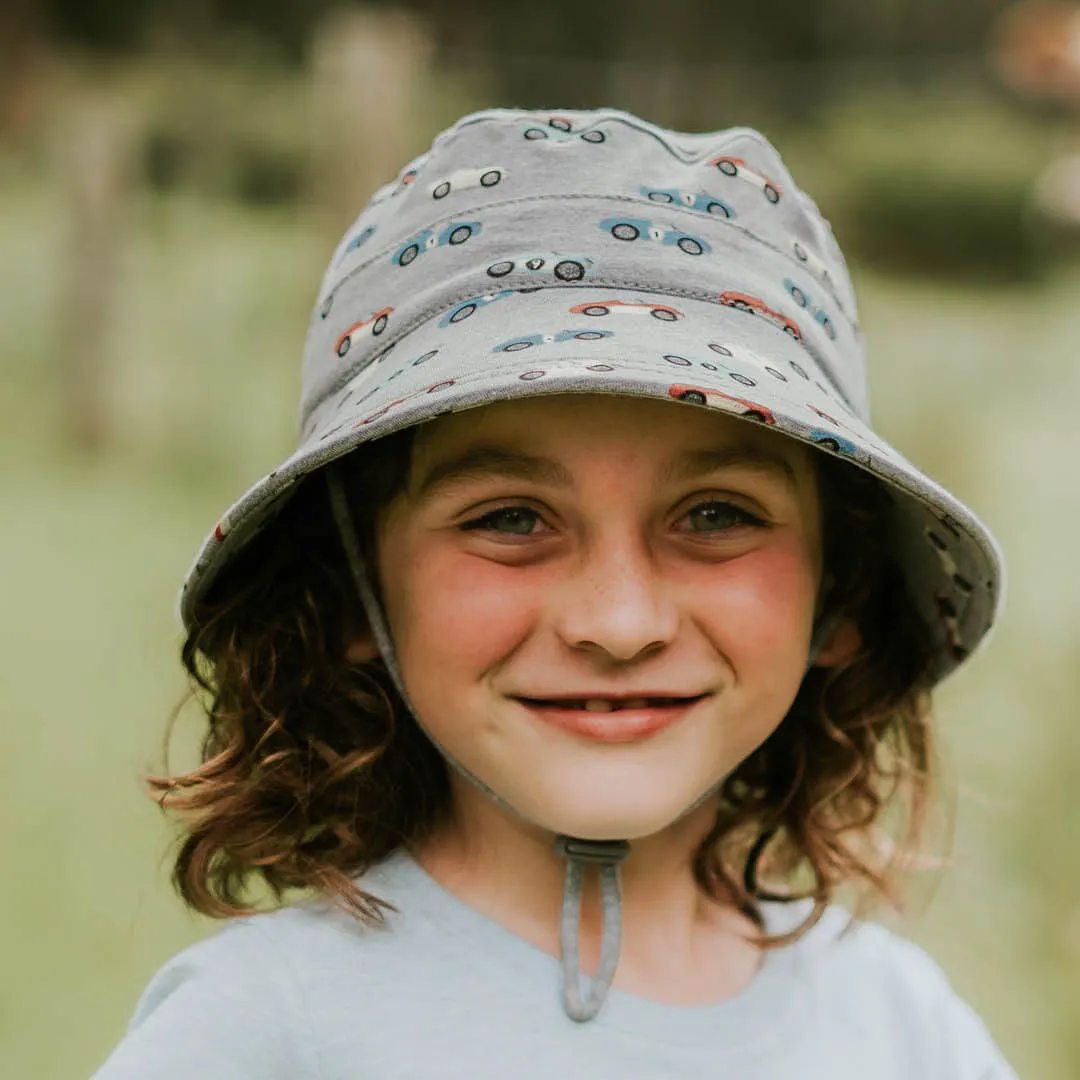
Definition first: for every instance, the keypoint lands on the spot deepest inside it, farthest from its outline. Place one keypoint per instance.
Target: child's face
(621, 574)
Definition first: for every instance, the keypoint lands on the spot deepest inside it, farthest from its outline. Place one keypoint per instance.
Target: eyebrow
(491, 460)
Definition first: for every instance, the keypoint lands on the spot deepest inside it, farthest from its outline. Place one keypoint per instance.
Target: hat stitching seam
(632, 199)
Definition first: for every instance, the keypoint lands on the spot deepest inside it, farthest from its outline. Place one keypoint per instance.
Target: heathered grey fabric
(447, 994)
(538, 253)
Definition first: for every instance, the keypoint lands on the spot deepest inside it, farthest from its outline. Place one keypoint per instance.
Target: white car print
(487, 176)
(733, 166)
(562, 268)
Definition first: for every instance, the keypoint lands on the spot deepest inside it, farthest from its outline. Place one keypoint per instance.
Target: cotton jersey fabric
(309, 993)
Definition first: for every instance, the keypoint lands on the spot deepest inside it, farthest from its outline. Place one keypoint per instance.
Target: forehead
(635, 432)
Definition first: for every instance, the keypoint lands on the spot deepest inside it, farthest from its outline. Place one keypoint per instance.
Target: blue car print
(838, 444)
(529, 340)
(708, 204)
(463, 310)
(457, 232)
(632, 228)
(360, 238)
(802, 298)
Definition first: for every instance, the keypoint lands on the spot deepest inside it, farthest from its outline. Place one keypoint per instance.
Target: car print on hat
(460, 312)
(734, 166)
(362, 237)
(485, 176)
(561, 267)
(707, 395)
(702, 201)
(663, 312)
(457, 232)
(756, 306)
(814, 264)
(559, 132)
(802, 298)
(633, 228)
(829, 440)
(374, 325)
(529, 340)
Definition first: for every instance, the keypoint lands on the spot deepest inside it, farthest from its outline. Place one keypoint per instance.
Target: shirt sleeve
(957, 1044)
(227, 1008)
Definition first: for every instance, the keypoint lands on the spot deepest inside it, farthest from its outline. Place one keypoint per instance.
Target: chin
(592, 813)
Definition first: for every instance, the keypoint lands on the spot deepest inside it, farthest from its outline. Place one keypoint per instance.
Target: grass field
(978, 387)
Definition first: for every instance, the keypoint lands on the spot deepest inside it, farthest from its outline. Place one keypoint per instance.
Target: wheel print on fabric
(559, 267)
(629, 229)
(528, 341)
(704, 395)
(372, 326)
(803, 299)
(737, 168)
(453, 234)
(701, 201)
(754, 305)
(486, 176)
(663, 312)
(560, 132)
(462, 311)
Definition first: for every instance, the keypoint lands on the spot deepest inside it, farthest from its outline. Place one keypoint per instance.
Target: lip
(623, 725)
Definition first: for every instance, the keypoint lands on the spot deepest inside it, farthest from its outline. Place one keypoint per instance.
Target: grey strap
(607, 854)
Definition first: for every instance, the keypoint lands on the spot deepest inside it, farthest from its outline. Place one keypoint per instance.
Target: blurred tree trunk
(96, 163)
(368, 69)
(20, 65)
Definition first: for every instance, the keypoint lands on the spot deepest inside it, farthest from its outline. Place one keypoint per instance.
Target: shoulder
(226, 1006)
(889, 992)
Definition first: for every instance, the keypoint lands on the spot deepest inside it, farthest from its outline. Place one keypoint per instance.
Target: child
(574, 657)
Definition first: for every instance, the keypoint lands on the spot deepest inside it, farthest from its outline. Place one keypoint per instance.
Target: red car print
(756, 306)
(663, 312)
(374, 326)
(703, 395)
(733, 166)
(433, 389)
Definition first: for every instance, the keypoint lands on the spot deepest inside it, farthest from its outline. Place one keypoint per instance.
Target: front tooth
(635, 703)
(599, 705)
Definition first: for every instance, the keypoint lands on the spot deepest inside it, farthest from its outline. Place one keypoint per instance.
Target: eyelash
(482, 523)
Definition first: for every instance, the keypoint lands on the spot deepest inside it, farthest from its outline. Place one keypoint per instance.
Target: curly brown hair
(313, 770)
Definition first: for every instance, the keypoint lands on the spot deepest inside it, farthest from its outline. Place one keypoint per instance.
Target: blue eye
(722, 515)
(516, 515)
(713, 516)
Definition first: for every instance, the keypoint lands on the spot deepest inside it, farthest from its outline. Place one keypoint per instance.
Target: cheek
(759, 607)
(462, 614)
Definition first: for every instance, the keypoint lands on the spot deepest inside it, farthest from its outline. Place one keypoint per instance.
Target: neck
(677, 942)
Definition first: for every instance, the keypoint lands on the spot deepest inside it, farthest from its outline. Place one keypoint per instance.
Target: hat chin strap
(578, 852)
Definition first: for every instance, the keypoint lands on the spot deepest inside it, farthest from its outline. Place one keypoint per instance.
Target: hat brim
(722, 356)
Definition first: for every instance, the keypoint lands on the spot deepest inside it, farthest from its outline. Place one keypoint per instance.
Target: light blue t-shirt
(308, 993)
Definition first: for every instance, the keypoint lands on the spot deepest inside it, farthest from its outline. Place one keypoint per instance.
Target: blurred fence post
(20, 65)
(368, 76)
(95, 163)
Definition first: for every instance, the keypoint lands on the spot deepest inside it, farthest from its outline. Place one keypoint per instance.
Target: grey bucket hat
(592, 252)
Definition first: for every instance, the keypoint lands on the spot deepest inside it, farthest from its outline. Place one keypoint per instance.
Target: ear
(359, 650)
(842, 645)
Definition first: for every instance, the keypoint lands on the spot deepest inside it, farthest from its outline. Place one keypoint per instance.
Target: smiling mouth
(607, 705)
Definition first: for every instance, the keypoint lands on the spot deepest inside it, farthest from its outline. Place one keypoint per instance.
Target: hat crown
(508, 187)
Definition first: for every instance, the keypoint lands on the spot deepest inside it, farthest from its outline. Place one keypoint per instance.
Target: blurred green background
(173, 177)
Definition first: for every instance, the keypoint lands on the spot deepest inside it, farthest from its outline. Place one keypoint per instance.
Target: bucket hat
(533, 253)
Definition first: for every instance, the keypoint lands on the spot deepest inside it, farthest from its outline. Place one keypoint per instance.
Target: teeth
(608, 705)
(599, 705)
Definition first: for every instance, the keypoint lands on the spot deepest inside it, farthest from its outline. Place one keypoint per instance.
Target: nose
(617, 604)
